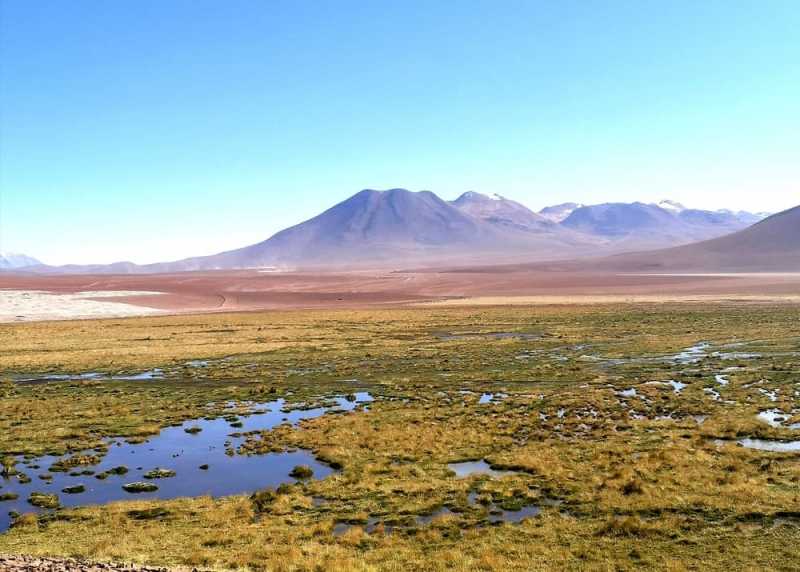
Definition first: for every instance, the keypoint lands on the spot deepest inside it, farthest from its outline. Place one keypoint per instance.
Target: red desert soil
(252, 290)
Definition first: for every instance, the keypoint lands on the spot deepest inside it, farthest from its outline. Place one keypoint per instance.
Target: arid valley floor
(430, 421)
(30, 297)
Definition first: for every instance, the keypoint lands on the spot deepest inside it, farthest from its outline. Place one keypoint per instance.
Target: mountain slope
(396, 227)
(772, 245)
(501, 211)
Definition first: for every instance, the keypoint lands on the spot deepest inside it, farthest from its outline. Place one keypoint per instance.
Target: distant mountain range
(770, 245)
(12, 260)
(398, 228)
(639, 225)
(558, 213)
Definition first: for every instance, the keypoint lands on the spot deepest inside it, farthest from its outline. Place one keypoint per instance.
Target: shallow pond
(150, 374)
(184, 449)
(777, 418)
(491, 397)
(735, 355)
(470, 468)
(692, 354)
(770, 445)
(676, 386)
(773, 446)
(513, 516)
(688, 356)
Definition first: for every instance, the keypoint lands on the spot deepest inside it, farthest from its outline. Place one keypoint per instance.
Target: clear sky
(151, 130)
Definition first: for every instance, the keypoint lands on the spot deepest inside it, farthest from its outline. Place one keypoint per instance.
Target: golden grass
(646, 491)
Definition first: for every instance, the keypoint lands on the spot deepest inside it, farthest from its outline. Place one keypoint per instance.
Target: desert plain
(27, 297)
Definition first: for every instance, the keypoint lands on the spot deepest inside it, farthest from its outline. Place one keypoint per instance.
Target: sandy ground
(610, 299)
(33, 305)
(28, 297)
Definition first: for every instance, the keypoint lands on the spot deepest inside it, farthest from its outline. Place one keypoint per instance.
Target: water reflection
(200, 452)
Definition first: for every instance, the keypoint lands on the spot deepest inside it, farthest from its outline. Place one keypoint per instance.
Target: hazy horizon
(156, 131)
(156, 258)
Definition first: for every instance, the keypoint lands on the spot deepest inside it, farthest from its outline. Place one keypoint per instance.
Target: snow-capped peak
(558, 213)
(13, 260)
(479, 197)
(672, 206)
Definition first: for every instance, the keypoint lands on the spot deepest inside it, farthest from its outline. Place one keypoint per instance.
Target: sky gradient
(153, 130)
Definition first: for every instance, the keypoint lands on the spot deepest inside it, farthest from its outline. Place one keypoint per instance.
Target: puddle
(713, 393)
(735, 355)
(631, 392)
(772, 417)
(514, 516)
(184, 449)
(676, 386)
(491, 397)
(470, 468)
(722, 380)
(145, 375)
(772, 395)
(692, 354)
(155, 373)
(45, 377)
(776, 418)
(773, 446)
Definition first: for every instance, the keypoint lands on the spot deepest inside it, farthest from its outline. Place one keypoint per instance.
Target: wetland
(604, 437)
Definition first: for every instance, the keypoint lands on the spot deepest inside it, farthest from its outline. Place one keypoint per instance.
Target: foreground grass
(624, 482)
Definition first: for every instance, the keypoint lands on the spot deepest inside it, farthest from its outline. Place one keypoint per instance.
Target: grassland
(653, 480)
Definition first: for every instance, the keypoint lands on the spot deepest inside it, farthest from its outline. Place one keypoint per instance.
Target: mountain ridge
(398, 227)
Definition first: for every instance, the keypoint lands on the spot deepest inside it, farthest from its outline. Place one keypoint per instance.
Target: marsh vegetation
(612, 438)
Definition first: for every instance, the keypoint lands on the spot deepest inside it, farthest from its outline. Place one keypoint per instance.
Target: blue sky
(152, 130)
